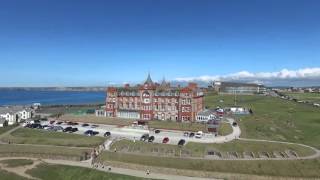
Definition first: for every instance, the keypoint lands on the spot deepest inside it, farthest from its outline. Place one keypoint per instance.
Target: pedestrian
(148, 172)
(109, 168)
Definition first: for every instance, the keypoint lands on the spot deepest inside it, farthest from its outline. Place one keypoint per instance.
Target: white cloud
(284, 74)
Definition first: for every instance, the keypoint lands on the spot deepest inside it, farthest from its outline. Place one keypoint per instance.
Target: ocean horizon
(28, 97)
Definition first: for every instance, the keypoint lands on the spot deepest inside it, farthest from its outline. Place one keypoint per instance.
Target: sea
(28, 97)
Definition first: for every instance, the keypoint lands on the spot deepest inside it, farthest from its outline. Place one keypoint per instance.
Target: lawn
(10, 176)
(293, 168)
(200, 150)
(16, 162)
(311, 97)
(7, 128)
(13, 150)
(35, 136)
(225, 129)
(61, 172)
(274, 118)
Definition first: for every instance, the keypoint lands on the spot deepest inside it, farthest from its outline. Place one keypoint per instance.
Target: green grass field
(7, 150)
(200, 150)
(299, 168)
(7, 128)
(54, 172)
(4, 175)
(274, 118)
(35, 136)
(16, 162)
(311, 97)
(225, 129)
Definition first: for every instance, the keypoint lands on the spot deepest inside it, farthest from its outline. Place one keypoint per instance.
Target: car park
(165, 140)
(144, 137)
(181, 142)
(157, 131)
(107, 134)
(151, 139)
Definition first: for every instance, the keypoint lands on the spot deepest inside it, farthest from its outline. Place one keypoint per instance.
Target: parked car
(181, 142)
(107, 134)
(157, 131)
(58, 123)
(94, 126)
(85, 125)
(57, 128)
(52, 122)
(151, 139)
(191, 135)
(67, 129)
(74, 129)
(91, 133)
(165, 140)
(144, 137)
(199, 134)
(36, 126)
(186, 134)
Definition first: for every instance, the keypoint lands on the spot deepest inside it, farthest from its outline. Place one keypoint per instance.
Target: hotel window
(183, 101)
(188, 101)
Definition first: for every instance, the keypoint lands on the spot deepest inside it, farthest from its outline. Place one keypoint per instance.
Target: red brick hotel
(155, 101)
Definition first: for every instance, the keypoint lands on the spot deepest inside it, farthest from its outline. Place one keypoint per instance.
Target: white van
(199, 134)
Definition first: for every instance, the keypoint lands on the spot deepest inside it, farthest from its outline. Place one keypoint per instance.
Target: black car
(74, 129)
(107, 134)
(157, 131)
(58, 123)
(151, 139)
(36, 126)
(85, 125)
(67, 129)
(144, 137)
(234, 124)
(181, 142)
(91, 133)
(191, 135)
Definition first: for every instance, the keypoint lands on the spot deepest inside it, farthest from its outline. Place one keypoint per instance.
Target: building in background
(15, 114)
(238, 88)
(155, 101)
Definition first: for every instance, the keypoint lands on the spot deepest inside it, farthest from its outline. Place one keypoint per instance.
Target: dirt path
(20, 170)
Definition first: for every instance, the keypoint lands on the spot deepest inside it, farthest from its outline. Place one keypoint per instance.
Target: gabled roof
(149, 80)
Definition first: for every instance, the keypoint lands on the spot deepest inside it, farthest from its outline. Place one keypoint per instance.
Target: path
(114, 170)
(20, 170)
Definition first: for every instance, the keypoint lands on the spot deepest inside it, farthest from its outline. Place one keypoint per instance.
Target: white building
(15, 114)
(205, 116)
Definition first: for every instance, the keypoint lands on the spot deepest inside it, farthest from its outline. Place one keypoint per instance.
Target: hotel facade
(153, 101)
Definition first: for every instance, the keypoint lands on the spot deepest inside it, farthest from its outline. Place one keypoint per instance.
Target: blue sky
(80, 42)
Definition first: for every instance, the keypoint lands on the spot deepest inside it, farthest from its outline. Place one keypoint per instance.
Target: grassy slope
(199, 150)
(35, 136)
(312, 97)
(303, 168)
(7, 128)
(275, 119)
(22, 150)
(225, 129)
(17, 162)
(10, 176)
(53, 172)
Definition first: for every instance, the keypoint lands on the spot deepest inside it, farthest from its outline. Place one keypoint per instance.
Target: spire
(149, 80)
(163, 83)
